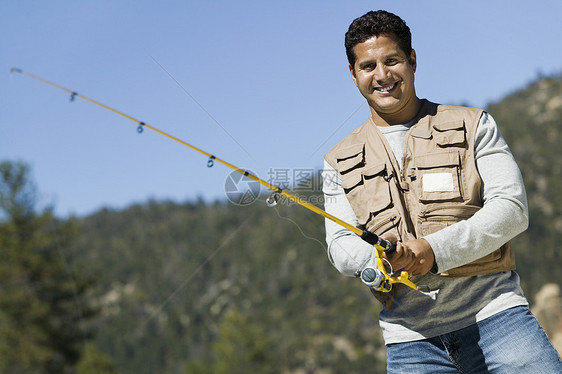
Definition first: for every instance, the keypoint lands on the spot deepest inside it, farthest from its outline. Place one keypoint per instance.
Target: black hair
(376, 23)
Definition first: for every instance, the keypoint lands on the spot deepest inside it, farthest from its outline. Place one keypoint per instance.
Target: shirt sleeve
(504, 214)
(346, 251)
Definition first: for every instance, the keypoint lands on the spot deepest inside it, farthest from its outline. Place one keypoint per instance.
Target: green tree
(242, 347)
(41, 308)
(92, 361)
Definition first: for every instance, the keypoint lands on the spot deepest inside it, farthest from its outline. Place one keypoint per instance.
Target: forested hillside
(225, 289)
(196, 288)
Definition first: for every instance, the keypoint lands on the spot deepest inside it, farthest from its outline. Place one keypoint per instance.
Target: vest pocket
(376, 189)
(386, 222)
(437, 218)
(368, 191)
(438, 177)
(351, 181)
(351, 158)
(450, 134)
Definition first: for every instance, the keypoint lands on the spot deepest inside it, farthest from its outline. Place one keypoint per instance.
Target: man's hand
(414, 256)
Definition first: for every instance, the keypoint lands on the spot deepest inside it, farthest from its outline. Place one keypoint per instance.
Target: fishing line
(300, 229)
(340, 247)
(200, 106)
(339, 127)
(212, 159)
(382, 283)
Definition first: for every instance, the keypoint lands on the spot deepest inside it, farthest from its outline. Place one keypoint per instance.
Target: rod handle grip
(374, 239)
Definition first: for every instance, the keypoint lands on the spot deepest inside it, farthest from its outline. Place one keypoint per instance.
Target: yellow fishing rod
(378, 279)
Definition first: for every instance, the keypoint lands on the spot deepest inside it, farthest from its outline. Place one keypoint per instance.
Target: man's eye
(391, 62)
(369, 67)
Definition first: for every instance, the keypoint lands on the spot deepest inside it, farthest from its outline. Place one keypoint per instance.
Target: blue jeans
(511, 341)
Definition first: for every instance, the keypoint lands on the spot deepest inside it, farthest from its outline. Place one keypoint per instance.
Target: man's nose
(381, 73)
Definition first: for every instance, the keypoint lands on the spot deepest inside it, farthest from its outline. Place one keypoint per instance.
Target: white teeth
(385, 89)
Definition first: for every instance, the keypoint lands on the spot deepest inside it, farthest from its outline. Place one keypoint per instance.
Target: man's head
(377, 23)
(383, 64)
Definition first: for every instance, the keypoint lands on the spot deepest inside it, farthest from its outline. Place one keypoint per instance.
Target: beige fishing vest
(437, 185)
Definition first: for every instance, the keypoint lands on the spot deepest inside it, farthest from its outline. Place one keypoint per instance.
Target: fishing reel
(375, 279)
(380, 280)
(381, 276)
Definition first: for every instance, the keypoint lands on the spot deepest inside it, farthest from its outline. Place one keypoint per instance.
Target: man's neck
(399, 118)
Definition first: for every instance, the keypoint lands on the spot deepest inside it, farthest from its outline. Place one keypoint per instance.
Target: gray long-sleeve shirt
(459, 301)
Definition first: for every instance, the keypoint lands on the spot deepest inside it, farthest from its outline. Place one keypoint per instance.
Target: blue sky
(263, 85)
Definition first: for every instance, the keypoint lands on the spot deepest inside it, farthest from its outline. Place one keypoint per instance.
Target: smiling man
(384, 74)
(440, 182)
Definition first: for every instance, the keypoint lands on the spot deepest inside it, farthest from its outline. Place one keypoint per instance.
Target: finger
(389, 237)
(398, 254)
(417, 267)
(401, 258)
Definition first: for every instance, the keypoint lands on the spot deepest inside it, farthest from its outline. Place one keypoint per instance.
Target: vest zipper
(461, 186)
(444, 213)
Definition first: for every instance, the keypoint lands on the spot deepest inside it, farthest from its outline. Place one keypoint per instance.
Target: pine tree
(41, 308)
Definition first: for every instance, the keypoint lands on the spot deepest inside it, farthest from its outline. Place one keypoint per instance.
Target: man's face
(385, 78)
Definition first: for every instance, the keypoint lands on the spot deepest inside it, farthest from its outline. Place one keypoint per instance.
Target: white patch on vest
(438, 182)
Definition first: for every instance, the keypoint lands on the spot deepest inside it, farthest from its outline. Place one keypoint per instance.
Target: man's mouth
(386, 89)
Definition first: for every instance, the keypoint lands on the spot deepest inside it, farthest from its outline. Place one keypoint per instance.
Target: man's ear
(352, 71)
(413, 61)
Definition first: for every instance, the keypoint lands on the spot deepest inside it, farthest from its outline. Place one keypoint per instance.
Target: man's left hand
(423, 257)
(414, 256)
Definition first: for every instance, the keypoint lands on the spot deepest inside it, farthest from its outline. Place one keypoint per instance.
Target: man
(439, 182)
